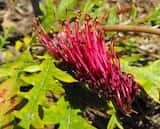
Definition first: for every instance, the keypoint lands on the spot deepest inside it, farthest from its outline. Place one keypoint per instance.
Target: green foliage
(65, 8)
(14, 69)
(154, 19)
(87, 7)
(52, 12)
(133, 12)
(113, 121)
(148, 77)
(62, 113)
(10, 72)
(93, 7)
(49, 14)
(4, 37)
(128, 46)
(42, 82)
(43, 77)
(113, 17)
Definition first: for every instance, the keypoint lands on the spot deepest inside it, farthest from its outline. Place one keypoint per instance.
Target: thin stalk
(132, 28)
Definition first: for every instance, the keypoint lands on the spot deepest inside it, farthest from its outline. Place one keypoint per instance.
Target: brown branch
(130, 28)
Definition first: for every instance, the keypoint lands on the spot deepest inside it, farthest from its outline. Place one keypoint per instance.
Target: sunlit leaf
(68, 118)
(11, 72)
(31, 69)
(11, 69)
(42, 82)
(148, 77)
(63, 76)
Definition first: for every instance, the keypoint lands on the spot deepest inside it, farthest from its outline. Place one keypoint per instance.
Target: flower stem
(132, 28)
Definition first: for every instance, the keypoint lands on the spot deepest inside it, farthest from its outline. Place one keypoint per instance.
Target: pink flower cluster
(83, 49)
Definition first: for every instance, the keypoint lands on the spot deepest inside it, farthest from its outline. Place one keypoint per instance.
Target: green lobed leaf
(43, 81)
(62, 113)
(148, 77)
(11, 72)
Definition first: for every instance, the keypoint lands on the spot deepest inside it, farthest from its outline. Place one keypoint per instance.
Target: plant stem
(127, 28)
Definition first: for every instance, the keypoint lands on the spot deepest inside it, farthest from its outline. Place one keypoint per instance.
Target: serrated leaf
(68, 118)
(148, 77)
(43, 82)
(32, 79)
(12, 71)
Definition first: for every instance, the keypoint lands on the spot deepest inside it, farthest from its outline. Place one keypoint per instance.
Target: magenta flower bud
(82, 47)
